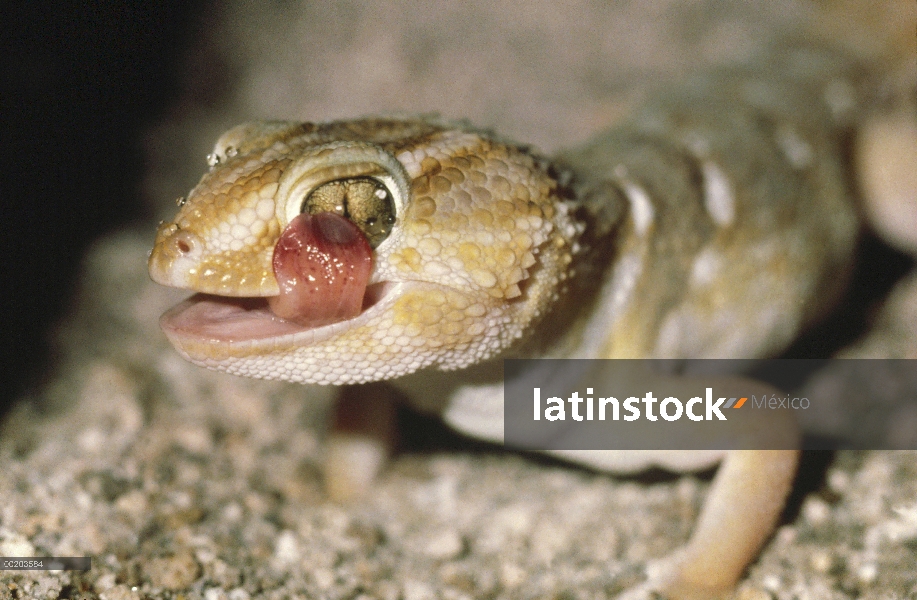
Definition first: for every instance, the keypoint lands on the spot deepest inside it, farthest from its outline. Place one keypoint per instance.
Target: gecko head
(361, 250)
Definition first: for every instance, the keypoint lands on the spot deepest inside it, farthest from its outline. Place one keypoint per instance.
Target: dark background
(79, 84)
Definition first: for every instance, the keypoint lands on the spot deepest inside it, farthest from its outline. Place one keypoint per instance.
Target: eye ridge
(365, 201)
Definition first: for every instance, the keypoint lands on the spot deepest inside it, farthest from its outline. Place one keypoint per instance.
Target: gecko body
(715, 222)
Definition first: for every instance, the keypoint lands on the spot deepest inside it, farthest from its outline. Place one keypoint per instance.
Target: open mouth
(322, 264)
(222, 319)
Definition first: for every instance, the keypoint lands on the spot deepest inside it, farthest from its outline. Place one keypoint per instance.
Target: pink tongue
(322, 264)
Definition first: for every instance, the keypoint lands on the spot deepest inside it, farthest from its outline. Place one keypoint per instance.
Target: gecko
(716, 221)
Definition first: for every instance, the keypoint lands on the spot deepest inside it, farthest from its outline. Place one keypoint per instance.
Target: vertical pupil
(363, 200)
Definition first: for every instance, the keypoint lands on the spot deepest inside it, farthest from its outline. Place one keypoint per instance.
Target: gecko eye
(365, 201)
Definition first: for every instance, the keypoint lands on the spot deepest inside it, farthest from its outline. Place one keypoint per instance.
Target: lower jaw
(220, 319)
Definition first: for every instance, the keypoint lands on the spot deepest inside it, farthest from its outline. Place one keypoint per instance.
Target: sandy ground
(185, 483)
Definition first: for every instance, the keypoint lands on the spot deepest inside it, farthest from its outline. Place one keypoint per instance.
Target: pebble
(511, 575)
(867, 573)
(14, 544)
(418, 590)
(215, 594)
(838, 481)
(105, 582)
(771, 582)
(816, 511)
(286, 549)
(121, 592)
(821, 561)
(174, 572)
(444, 545)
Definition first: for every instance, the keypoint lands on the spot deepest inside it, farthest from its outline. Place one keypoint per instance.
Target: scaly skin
(715, 222)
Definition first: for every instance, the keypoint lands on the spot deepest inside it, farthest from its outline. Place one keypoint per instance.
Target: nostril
(183, 243)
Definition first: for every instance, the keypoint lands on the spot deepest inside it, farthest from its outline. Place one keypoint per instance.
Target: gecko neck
(570, 328)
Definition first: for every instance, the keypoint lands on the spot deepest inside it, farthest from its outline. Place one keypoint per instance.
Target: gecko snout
(176, 252)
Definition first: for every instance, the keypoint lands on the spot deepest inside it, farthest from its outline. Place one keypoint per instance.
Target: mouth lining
(224, 319)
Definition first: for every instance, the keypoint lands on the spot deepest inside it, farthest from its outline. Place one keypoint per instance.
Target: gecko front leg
(739, 515)
(360, 441)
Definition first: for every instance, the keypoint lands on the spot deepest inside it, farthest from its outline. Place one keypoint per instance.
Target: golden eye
(365, 201)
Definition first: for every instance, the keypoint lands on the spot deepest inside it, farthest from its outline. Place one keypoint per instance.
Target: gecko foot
(360, 441)
(665, 579)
